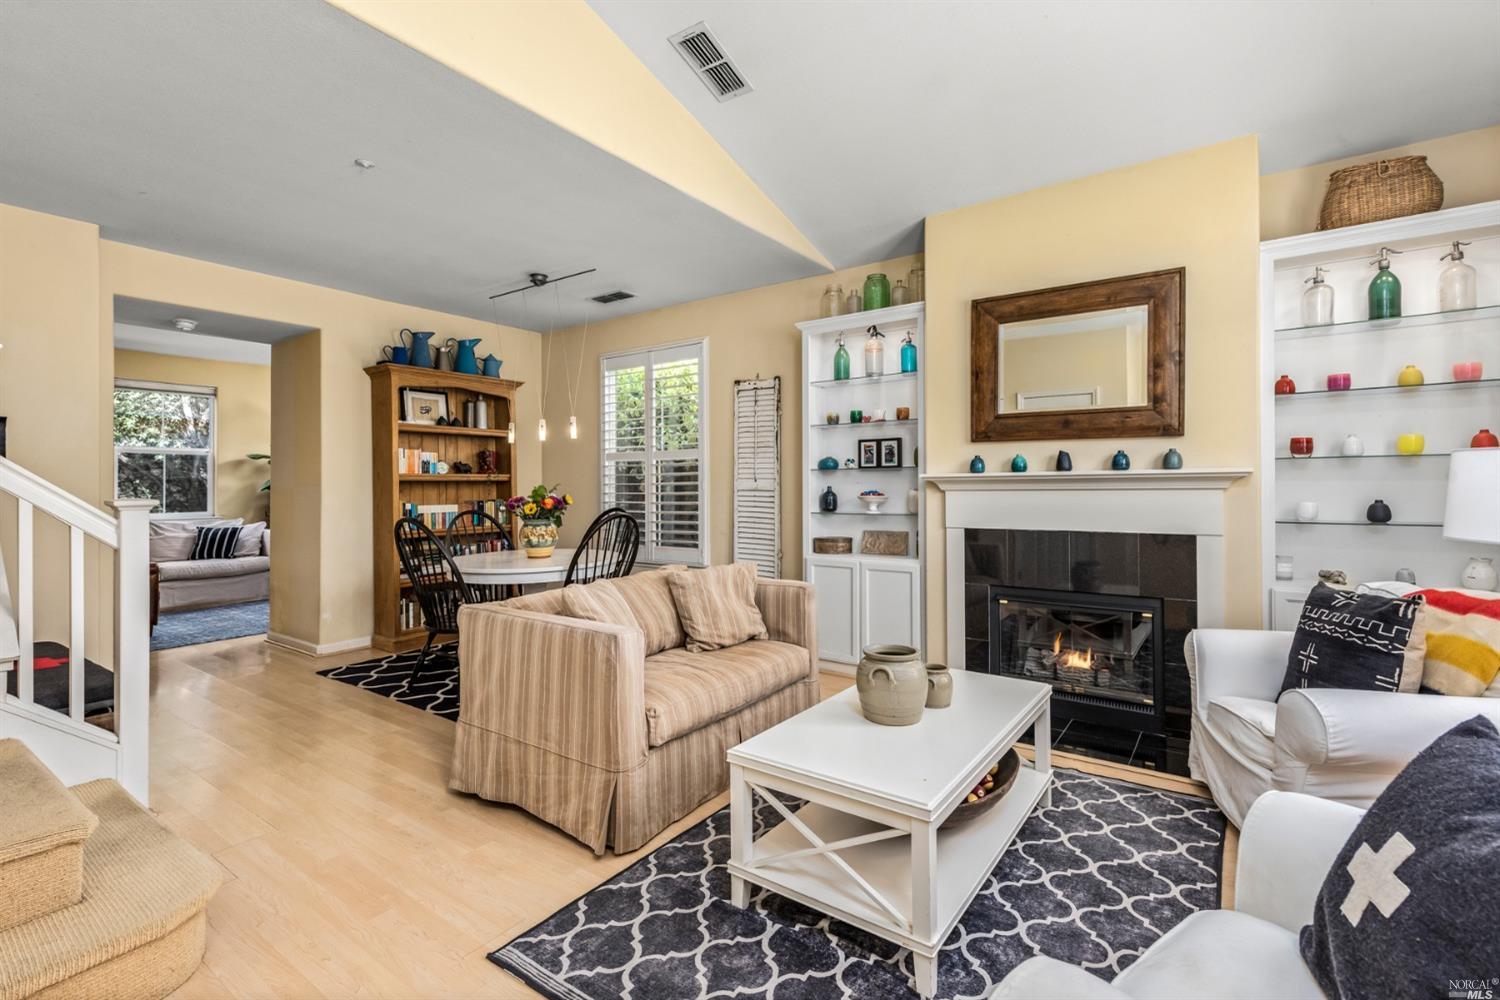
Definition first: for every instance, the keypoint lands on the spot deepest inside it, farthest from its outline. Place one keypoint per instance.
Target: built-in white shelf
(1323, 522)
(863, 513)
(877, 424)
(1473, 383)
(1359, 458)
(1408, 322)
(858, 381)
(892, 468)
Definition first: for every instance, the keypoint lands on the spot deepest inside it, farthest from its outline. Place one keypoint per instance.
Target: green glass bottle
(1385, 288)
(841, 362)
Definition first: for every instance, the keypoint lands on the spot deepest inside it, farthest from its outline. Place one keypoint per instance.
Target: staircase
(39, 703)
(97, 899)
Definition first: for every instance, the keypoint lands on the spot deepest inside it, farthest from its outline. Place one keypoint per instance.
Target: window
(164, 446)
(654, 424)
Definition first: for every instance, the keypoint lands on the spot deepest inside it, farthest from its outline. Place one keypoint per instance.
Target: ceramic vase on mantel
(538, 537)
(892, 685)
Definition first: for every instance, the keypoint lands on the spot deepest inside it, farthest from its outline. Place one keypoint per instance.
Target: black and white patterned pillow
(216, 543)
(1411, 902)
(1355, 641)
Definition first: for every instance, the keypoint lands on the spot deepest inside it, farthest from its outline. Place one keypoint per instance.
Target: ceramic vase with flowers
(541, 513)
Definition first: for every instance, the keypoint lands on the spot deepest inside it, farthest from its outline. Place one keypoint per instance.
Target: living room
(631, 312)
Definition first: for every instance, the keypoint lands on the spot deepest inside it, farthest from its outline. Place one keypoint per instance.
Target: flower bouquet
(541, 513)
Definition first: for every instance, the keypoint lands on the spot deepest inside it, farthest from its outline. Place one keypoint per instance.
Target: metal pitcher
(445, 355)
(492, 366)
(421, 348)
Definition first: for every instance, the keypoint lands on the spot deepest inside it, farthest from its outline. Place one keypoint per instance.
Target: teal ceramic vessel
(1121, 461)
(1172, 459)
(976, 464)
(1018, 464)
(828, 463)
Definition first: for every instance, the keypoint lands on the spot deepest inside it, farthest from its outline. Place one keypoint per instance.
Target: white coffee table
(866, 848)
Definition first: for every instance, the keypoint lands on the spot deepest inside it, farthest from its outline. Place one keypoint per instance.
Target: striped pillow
(1462, 655)
(717, 606)
(216, 543)
(650, 599)
(598, 602)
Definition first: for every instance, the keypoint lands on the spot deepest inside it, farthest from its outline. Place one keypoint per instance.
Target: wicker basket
(1384, 189)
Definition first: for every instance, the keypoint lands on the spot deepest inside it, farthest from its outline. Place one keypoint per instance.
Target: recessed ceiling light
(184, 324)
(364, 164)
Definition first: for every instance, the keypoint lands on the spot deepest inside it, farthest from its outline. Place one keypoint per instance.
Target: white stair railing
(72, 746)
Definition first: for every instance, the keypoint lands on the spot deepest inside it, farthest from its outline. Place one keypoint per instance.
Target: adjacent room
(894, 500)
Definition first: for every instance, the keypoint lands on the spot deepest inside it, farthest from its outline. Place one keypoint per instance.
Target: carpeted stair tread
(43, 826)
(141, 883)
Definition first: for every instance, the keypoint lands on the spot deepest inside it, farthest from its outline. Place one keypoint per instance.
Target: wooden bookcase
(392, 487)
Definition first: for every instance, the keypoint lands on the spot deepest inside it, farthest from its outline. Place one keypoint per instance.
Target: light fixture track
(540, 280)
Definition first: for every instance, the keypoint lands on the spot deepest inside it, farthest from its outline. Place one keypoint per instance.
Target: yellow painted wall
(300, 576)
(1198, 210)
(242, 410)
(1468, 164)
(606, 95)
(749, 333)
(334, 487)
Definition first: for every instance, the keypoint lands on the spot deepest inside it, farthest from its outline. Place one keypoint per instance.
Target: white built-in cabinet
(863, 599)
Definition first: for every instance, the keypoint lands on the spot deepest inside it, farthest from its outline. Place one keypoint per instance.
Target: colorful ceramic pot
(1339, 382)
(538, 537)
(828, 463)
(1468, 371)
(1285, 386)
(1410, 444)
(1301, 447)
(892, 685)
(1064, 462)
(1018, 464)
(1172, 459)
(976, 464)
(829, 501)
(1484, 439)
(1378, 512)
(903, 413)
(1411, 375)
(1121, 461)
(855, 416)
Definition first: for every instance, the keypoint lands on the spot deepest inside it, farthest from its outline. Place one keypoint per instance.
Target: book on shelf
(438, 516)
(415, 462)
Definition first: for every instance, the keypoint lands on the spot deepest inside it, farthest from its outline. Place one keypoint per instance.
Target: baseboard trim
(318, 649)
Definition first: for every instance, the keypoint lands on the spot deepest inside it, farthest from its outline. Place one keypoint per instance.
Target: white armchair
(1286, 848)
(1335, 744)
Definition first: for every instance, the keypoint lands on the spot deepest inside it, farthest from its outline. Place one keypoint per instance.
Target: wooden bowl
(1010, 766)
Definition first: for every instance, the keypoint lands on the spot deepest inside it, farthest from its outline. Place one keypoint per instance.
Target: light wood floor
(350, 870)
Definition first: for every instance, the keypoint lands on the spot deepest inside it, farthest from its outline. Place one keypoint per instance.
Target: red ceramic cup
(1468, 371)
(1302, 447)
(1339, 381)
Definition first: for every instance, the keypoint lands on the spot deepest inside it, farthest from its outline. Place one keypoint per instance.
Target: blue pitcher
(492, 366)
(421, 348)
(465, 363)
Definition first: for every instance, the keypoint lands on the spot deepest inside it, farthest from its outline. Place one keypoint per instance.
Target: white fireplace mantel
(1143, 501)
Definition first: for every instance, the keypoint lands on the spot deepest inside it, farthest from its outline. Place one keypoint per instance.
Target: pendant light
(541, 429)
(577, 381)
(510, 427)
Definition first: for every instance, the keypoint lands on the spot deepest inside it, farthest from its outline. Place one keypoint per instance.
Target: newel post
(133, 647)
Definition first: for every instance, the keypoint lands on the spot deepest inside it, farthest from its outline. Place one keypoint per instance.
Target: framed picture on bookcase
(419, 407)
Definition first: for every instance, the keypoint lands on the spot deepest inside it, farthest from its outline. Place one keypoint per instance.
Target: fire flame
(1072, 658)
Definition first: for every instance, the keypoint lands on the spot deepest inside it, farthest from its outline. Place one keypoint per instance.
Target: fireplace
(1102, 653)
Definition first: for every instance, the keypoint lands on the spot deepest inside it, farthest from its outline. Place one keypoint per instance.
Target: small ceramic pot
(1352, 447)
(976, 464)
(830, 417)
(1468, 371)
(1411, 375)
(829, 501)
(538, 537)
(855, 416)
(892, 685)
(828, 463)
(1172, 459)
(1410, 444)
(1378, 512)
(1064, 462)
(1285, 386)
(1121, 461)
(1302, 447)
(903, 413)
(1018, 464)
(1484, 439)
(939, 686)
(1307, 510)
(866, 418)
(1339, 382)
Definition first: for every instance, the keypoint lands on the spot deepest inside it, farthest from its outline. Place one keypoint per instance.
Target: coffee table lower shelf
(899, 868)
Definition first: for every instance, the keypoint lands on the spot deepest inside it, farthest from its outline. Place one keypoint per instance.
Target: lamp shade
(1472, 513)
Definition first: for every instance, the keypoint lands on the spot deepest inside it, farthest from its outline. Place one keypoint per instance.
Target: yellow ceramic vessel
(1410, 375)
(1410, 444)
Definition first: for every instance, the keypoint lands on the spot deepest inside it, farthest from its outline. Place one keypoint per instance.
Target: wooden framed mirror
(1098, 359)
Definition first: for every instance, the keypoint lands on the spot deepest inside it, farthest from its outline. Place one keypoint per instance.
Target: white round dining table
(513, 566)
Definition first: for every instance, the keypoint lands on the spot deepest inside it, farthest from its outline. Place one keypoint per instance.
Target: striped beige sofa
(612, 732)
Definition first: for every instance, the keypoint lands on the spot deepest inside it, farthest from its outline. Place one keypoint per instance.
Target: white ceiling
(162, 316)
(868, 116)
(227, 131)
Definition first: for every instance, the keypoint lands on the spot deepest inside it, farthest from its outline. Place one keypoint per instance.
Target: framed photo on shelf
(890, 453)
(419, 407)
(869, 453)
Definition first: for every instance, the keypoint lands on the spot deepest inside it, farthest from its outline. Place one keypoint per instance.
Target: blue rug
(1093, 881)
(190, 628)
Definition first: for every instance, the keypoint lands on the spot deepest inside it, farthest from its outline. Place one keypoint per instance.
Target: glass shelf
(1356, 458)
(856, 380)
(1363, 524)
(863, 513)
(871, 424)
(1381, 325)
(1465, 384)
(889, 468)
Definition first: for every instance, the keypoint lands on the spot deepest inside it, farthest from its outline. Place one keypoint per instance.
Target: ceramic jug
(396, 355)
(939, 686)
(492, 366)
(421, 348)
(1353, 447)
(892, 685)
(464, 362)
(445, 355)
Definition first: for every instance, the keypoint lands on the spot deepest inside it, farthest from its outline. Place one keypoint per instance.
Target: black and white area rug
(435, 690)
(1092, 881)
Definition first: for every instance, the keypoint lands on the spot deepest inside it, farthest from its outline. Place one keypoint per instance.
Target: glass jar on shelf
(1317, 301)
(898, 294)
(875, 353)
(832, 302)
(916, 283)
(1456, 281)
(854, 303)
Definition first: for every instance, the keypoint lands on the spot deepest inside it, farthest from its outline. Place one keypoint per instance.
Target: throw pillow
(717, 606)
(1411, 899)
(173, 540)
(649, 597)
(1358, 641)
(250, 537)
(1461, 631)
(216, 543)
(599, 601)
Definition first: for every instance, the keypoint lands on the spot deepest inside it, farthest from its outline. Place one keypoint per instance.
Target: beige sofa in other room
(206, 583)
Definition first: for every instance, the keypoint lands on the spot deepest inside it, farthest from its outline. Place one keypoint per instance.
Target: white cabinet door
(1286, 608)
(890, 602)
(836, 583)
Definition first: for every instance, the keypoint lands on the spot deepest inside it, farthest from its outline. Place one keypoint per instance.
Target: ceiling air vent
(616, 296)
(700, 49)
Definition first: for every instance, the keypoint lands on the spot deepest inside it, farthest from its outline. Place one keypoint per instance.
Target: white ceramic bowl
(872, 501)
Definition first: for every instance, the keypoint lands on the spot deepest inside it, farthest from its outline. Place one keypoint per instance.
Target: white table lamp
(1472, 513)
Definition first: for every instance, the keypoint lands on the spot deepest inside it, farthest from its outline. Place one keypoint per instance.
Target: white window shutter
(757, 474)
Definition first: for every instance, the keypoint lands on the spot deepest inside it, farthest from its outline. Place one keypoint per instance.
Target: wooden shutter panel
(757, 474)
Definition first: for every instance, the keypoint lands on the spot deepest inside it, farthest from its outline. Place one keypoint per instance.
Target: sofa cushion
(1247, 726)
(1354, 641)
(216, 543)
(650, 599)
(172, 540)
(250, 539)
(599, 601)
(1410, 903)
(717, 606)
(1225, 955)
(686, 691)
(206, 569)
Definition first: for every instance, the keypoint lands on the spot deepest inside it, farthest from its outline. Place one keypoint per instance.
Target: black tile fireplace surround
(1059, 564)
